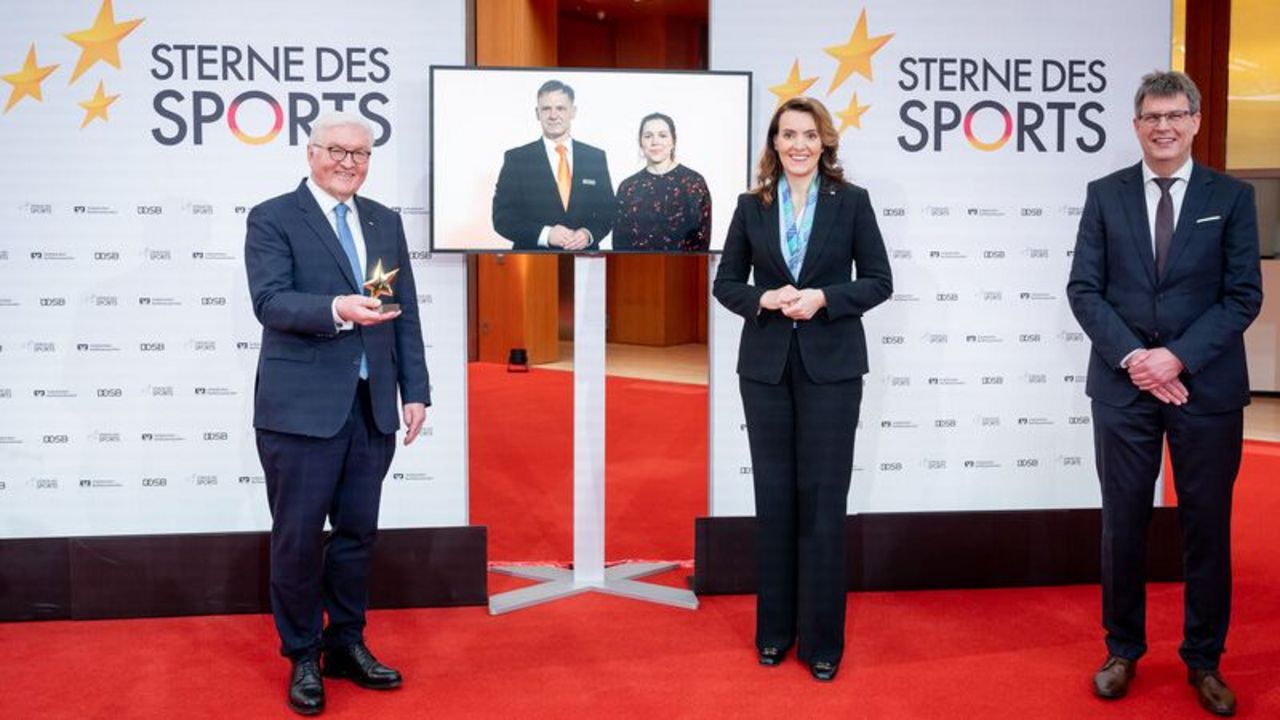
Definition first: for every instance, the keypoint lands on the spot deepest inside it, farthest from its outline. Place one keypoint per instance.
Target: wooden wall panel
(516, 33)
(652, 299)
(586, 43)
(516, 301)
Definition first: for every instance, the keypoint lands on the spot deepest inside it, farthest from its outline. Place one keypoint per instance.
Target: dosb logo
(1032, 212)
(944, 423)
(111, 256)
(892, 340)
(890, 466)
(151, 347)
(55, 439)
(110, 392)
(150, 210)
(1078, 420)
(53, 302)
(213, 300)
(992, 380)
(894, 212)
(1029, 337)
(1028, 462)
(154, 482)
(215, 436)
(948, 297)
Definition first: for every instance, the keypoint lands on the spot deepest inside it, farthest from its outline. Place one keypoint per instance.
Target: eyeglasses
(339, 154)
(1175, 117)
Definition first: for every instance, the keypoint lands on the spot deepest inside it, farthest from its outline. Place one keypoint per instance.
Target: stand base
(560, 583)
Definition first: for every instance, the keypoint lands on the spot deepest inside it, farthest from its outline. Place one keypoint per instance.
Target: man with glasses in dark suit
(332, 362)
(1165, 279)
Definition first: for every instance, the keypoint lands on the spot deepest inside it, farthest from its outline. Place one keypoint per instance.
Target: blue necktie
(349, 247)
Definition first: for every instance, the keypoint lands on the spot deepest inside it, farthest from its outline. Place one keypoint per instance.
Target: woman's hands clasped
(795, 304)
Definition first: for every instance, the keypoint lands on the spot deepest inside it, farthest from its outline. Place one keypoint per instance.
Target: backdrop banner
(138, 136)
(975, 127)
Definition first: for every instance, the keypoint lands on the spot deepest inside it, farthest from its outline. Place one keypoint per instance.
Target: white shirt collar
(1183, 173)
(326, 201)
(550, 144)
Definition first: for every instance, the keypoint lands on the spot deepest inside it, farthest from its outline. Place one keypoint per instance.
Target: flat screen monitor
(563, 160)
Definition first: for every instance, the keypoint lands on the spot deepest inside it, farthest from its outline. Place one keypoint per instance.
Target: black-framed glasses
(1175, 117)
(338, 154)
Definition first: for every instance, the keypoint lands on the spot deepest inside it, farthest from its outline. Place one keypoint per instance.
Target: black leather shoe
(823, 670)
(306, 688)
(1212, 691)
(772, 656)
(1111, 682)
(358, 665)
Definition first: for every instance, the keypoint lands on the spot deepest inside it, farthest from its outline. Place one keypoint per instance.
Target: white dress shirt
(329, 204)
(553, 158)
(1177, 192)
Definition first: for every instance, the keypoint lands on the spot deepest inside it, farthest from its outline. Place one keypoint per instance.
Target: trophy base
(388, 308)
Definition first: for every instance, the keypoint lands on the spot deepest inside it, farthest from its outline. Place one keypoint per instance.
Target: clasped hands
(795, 304)
(1156, 371)
(567, 239)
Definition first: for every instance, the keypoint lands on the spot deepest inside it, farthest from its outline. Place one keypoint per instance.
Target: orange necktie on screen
(564, 179)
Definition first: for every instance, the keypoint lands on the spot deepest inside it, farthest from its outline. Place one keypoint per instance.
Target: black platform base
(937, 550)
(158, 575)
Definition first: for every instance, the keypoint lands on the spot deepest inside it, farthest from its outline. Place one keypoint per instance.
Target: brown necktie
(1164, 224)
(564, 179)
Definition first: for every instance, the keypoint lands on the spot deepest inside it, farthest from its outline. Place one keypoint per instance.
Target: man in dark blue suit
(332, 362)
(555, 192)
(1164, 281)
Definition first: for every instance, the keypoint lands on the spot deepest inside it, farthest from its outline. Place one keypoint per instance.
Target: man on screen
(1164, 281)
(555, 192)
(332, 362)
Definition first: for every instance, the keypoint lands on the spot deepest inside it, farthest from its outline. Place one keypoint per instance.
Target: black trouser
(1205, 450)
(801, 436)
(308, 480)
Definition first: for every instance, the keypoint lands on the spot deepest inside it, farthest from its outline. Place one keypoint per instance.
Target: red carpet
(521, 438)
(1022, 654)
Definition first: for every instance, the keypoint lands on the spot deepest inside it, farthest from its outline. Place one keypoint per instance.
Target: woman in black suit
(819, 263)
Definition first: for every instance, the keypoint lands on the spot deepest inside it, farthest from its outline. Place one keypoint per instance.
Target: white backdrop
(975, 399)
(127, 339)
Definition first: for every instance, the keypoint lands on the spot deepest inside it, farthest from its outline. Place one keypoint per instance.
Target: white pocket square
(588, 181)
(1211, 218)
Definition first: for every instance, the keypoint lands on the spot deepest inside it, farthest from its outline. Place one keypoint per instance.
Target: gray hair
(330, 120)
(1164, 85)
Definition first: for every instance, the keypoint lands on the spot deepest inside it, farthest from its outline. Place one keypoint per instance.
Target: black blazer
(846, 259)
(307, 372)
(526, 198)
(1211, 290)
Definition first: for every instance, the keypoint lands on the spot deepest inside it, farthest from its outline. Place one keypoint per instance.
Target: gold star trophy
(379, 285)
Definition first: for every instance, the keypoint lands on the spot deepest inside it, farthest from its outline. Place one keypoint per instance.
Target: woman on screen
(819, 262)
(665, 206)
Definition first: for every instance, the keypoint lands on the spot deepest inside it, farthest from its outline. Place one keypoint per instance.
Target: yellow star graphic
(794, 85)
(102, 41)
(851, 115)
(855, 55)
(96, 106)
(27, 80)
